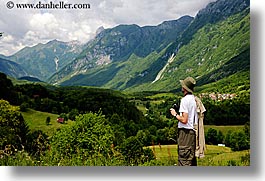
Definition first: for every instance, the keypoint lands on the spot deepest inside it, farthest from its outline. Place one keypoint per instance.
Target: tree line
(128, 129)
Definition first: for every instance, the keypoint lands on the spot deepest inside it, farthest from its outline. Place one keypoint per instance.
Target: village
(217, 96)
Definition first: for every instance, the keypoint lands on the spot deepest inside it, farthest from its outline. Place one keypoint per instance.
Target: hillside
(212, 46)
(43, 60)
(113, 47)
(11, 68)
(36, 120)
(215, 52)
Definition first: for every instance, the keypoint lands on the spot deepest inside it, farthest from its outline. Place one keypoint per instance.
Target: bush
(211, 136)
(72, 114)
(239, 141)
(37, 143)
(133, 152)
(24, 106)
(13, 128)
(48, 120)
(90, 135)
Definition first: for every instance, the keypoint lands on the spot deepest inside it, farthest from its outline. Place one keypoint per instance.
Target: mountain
(214, 12)
(212, 46)
(11, 68)
(43, 60)
(209, 47)
(115, 46)
(212, 49)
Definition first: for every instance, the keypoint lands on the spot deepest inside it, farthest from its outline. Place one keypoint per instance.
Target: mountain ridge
(11, 68)
(134, 58)
(209, 28)
(43, 60)
(119, 43)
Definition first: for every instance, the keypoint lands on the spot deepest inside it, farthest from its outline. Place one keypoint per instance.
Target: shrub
(24, 106)
(13, 128)
(48, 120)
(37, 143)
(239, 141)
(133, 152)
(90, 135)
(72, 114)
(211, 136)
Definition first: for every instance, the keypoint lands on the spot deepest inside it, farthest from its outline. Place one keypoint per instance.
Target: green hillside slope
(216, 51)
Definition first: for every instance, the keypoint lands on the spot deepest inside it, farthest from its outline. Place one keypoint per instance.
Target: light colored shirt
(188, 105)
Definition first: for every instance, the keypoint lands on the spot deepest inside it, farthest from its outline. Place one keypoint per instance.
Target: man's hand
(173, 112)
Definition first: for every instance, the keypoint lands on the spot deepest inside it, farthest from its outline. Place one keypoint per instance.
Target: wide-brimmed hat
(188, 84)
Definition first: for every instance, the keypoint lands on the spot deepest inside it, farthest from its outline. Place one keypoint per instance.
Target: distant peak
(100, 29)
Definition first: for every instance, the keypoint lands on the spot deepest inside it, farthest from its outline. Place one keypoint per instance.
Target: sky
(28, 27)
(254, 173)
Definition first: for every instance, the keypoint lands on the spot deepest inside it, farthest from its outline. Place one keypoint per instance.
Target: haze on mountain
(211, 46)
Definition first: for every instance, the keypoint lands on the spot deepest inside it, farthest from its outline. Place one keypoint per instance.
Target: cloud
(28, 27)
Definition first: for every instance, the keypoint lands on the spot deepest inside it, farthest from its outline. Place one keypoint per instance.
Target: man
(187, 118)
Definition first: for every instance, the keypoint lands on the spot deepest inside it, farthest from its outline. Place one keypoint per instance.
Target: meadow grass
(214, 156)
(36, 120)
(224, 129)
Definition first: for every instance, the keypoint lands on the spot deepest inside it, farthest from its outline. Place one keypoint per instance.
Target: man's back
(188, 105)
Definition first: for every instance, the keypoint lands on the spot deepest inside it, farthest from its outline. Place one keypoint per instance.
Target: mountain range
(43, 60)
(211, 46)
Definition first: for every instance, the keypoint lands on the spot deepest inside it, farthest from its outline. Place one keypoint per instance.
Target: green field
(36, 120)
(214, 156)
(224, 129)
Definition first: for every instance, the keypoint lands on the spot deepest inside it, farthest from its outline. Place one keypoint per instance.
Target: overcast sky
(28, 27)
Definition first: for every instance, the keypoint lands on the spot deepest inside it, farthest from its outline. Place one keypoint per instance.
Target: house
(60, 120)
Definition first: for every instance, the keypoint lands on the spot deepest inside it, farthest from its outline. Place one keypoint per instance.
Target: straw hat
(188, 84)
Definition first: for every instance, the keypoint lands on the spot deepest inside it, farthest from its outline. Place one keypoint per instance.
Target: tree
(162, 135)
(72, 114)
(91, 135)
(132, 150)
(7, 89)
(64, 116)
(220, 137)
(152, 129)
(144, 137)
(13, 128)
(115, 119)
(211, 136)
(48, 120)
(172, 134)
(24, 106)
(239, 141)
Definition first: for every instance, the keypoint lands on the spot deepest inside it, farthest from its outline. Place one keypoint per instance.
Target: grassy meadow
(36, 120)
(224, 129)
(214, 156)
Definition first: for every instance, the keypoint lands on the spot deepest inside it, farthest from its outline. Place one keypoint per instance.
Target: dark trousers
(186, 147)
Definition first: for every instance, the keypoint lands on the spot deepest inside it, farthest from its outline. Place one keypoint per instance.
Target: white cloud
(28, 27)
(8, 39)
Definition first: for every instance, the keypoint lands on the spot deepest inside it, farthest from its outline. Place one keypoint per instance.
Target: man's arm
(183, 119)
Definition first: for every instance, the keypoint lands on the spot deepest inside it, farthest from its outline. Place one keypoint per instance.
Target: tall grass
(166, 155)
(214, 156)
